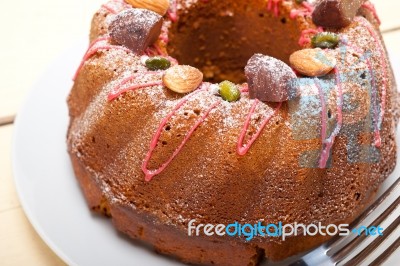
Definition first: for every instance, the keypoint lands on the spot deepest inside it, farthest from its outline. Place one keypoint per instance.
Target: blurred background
(34, 33)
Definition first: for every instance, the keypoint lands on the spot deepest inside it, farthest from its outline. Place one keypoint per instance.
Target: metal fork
(342, 250)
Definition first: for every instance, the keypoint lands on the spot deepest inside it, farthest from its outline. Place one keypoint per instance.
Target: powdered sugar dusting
(270, 79)
(136, 28)
(202, 179)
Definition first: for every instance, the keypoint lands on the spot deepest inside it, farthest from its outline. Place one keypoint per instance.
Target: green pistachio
(157, 63)
(229, 91)
(325, 40)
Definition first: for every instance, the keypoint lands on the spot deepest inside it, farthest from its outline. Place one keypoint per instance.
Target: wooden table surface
(34, 33)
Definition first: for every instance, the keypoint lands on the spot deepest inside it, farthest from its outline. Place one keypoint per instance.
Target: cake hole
(168, 128)
(357, 196)
(329, 114)
(164, 142)
(196, 111)
(363, 75)
(220, 43)
(249, 133)
(93, 139)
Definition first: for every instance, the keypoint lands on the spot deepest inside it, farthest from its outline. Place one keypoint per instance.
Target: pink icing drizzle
(158, 49)
(164, 38)
(328, 143)
(87, 51)
(371, 7)
(242, 149)
(306, 11)
(324, 118)
(149, 174)
(377, 134)
(151, 51)
(111, 9)
(378, 142)
(308, 6)
(273, 5)
(112, 96)
(95, 50)
(116, 92)
(383, 64)
(173, 11)
(305, 35)
(244, 88)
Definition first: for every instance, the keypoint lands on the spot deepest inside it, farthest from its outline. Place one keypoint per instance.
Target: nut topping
(182, 79)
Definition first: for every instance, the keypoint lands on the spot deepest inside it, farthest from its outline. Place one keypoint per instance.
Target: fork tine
(348, 248)
(329, 255)
(385, 255)
(374, 244)
(334, 242)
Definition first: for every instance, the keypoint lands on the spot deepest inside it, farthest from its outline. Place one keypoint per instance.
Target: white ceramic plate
(46, 185)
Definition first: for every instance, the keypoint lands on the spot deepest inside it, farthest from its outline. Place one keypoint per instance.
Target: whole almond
(159, 6)
(312, 62)
(182, 79)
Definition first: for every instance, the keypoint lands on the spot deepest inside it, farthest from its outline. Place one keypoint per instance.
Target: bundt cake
(221, 111)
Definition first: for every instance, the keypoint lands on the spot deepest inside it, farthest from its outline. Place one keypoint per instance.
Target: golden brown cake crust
(208, 181)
